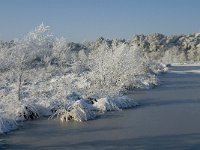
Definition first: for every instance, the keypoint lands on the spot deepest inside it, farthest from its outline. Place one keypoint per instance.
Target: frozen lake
(168, 118)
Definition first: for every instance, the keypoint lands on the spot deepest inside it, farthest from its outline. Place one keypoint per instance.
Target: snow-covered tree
(113, 68)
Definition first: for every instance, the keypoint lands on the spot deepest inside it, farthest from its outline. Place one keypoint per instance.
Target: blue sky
(79, 20)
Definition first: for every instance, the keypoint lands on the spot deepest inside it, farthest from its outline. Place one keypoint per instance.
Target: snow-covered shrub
(174, 55)
(111, 104)
(169, 49)
(113, 67)
(39, 41)
(105, 104)
(194, 54)
(75, 111)
(27, 112)
(29, 51)
(157, 67)
(61, 54)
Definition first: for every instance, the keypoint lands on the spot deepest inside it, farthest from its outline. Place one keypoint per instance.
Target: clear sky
(79, 20)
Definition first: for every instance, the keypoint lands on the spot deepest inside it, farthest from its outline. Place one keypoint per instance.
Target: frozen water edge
(189, 68)
(7, 125)
(78, 110)
(166, 119)
(187, 71)
(84, 110)
(185, 64)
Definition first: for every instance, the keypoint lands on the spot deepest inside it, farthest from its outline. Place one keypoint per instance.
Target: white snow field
(45, 76)
(167, 118)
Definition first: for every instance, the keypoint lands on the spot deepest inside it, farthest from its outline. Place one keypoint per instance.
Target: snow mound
(84, 110)
(111, 104)
(105, 104)
(158, 68)
(78, 111)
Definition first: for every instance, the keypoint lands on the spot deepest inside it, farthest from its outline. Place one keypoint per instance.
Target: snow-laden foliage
(26, 52)
(170, 49)
(87, 109)
(42, 75)
(110, 104)
(75, 110)
(28, 112)
(158, 67)
(115, 66)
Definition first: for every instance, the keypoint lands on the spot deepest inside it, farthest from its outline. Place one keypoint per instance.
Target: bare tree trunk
(20, 84)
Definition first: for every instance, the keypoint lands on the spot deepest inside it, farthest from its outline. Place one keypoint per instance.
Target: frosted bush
(116, 103)
(27, 112)
(113, 68)
(157, 67)
(76, 111)
(105, 104)
(125, 102)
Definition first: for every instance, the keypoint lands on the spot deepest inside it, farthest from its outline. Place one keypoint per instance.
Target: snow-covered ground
(167, 118)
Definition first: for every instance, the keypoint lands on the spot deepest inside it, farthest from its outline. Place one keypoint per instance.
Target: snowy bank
(42, 75)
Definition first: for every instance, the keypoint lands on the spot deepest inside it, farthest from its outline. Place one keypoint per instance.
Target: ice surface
(7, 124)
